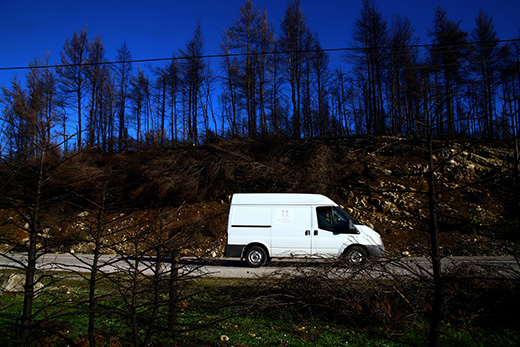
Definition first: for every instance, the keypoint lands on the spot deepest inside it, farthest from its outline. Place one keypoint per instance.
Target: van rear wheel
(256, 256)
(355, 255)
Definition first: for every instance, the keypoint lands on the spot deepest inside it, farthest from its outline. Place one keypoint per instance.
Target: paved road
(234, 268)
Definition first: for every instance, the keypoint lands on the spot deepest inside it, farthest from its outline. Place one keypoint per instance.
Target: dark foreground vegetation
(312, 307)
(165, 203)
(98, 158)
(380, 181)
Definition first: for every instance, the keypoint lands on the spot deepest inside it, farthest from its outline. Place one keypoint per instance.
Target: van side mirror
(352, 228)
(345, 227)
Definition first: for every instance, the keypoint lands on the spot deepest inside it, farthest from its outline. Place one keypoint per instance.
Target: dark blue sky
(156, 29)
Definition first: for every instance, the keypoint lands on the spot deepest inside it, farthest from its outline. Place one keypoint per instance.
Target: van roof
(280, 199)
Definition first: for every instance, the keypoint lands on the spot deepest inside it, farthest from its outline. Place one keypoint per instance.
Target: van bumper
(234, 251)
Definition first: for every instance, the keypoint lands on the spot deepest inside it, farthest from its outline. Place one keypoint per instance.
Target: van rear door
(249, 224)
(291, 230)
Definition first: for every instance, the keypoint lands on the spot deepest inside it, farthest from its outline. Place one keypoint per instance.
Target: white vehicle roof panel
(280, 199)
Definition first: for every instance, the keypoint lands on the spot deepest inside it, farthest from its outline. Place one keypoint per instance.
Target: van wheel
(256, 256)
(355, 255)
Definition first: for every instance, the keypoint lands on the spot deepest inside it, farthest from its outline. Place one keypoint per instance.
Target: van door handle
(315, 232)
(307, 232)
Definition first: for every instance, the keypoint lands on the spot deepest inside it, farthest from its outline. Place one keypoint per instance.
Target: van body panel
(252, 216)
(295, 225)
(280, 199)
(371, 240)
(329, 244)
(290, 225)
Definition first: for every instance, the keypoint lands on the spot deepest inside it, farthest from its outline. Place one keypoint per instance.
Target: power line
(224, 55)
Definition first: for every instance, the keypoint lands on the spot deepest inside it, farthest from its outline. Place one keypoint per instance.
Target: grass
(227, 312)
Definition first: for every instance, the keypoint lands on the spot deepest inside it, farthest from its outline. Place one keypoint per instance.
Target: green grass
(225, 312)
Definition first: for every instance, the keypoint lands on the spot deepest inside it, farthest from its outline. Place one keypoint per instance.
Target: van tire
(256, 256)
(355, 255)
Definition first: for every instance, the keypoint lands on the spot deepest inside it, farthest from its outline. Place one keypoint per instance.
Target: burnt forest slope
(379, 181)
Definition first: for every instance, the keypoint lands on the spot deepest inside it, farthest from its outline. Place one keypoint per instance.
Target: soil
(380, 182)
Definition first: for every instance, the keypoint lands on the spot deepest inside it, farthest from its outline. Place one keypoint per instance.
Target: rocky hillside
(378, 181)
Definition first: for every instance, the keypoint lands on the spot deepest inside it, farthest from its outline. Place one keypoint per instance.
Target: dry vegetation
(379, 182)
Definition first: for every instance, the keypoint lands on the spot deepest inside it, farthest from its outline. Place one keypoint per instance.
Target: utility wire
(371, 50)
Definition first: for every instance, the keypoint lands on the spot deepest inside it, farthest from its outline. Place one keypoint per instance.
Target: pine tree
(294, 32)
(123, 71)
(72, 75)
(192, 69)
(371, 37)
(448, 51)
(485, 60)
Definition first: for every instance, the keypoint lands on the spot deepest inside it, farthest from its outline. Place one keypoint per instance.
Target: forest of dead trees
(269, 80)
(264, 81)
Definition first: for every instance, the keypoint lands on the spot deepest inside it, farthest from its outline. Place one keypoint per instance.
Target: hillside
(378, 181)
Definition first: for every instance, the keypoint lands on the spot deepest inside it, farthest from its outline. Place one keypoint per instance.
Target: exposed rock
(385, 189)
(14, 284)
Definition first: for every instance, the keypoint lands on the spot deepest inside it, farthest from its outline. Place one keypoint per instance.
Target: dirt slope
(378, 181)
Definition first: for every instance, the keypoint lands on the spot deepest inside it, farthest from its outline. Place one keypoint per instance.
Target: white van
(262, 226)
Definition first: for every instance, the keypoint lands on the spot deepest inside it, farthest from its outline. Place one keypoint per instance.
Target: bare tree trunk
(32, 255)
(173, 299)
(98, 236)
(156, 303)
(92, 297)
(516, 132)
(516, 175)
(30, 271)
(438, 294)
(163, 110)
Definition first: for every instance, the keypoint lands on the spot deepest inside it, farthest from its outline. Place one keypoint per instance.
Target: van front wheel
(355, 255)
(256, 256)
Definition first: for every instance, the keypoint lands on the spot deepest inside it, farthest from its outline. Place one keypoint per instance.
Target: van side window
(333, 219)
(325, 218)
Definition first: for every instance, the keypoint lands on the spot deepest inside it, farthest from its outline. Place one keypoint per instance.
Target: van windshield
(342, 212)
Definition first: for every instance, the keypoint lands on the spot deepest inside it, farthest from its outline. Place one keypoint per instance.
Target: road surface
(234, 268)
